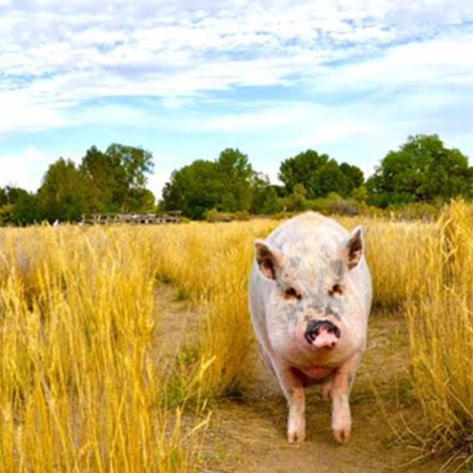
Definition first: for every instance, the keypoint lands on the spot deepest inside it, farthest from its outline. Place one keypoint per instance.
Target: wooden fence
(112, 218)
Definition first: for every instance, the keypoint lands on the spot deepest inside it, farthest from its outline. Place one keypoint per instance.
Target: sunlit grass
(211, 263)
(440, 322)
(79, 388)
(84, 387)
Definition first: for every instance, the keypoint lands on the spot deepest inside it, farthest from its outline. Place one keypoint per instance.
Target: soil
(247, 434)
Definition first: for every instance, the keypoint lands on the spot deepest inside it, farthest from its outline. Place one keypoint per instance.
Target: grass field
(84, 386)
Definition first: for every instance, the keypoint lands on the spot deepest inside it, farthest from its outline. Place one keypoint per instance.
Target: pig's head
(313, 298)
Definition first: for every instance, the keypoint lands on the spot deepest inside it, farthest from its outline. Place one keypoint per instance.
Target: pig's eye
(336, 289)
(292, 294)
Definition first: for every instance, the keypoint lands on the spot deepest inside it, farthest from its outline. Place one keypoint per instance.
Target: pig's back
(309, 234)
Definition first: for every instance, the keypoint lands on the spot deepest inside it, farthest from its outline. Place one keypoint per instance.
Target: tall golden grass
(79, 389)
(440, 320)
(210, 264)
(397, 262)
(82, 388)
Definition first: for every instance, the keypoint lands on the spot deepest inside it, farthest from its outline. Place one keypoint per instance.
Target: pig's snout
(322, 334)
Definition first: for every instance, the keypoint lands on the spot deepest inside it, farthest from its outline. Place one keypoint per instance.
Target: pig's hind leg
(327, 389)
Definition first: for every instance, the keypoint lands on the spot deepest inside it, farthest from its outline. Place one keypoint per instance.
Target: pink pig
(310, 297)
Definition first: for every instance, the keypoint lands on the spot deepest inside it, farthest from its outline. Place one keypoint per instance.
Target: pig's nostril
(335, 330)
(312, 333)
(314, 327)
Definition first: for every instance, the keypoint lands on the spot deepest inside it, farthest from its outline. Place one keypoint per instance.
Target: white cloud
(420, 16)
(24, 169)
(20, 114)
(165, 54)
(320, 73)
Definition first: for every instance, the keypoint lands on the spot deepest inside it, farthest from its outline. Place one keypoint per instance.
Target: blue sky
(185, 79)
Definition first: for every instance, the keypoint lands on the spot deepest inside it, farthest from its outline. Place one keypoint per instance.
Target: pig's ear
(268, 259)
(353, 248)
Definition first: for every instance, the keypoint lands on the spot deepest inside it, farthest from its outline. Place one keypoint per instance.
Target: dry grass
(79, 389)
(82, 391)
(440, 323)
(210, 264)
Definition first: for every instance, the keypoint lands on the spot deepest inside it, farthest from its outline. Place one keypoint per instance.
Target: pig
(310, 294)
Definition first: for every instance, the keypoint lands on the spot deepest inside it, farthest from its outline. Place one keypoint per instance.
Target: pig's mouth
(322, 334)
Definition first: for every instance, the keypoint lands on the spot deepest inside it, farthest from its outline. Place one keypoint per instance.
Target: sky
(186, 79)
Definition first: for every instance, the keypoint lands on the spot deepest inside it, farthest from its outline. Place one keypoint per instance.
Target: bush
(335, 204)
(241, 216)
(213, 216)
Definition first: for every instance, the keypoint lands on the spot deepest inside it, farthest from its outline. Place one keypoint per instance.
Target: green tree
(133, 166)
(360, 194)
(3, 197)
(116, 180)
(265, 200)
(26, 209)
(194, 189)
(354, 175)
(225, 185)
(142, 200)
(422, 170)
(301, 169)
(329, 178)
(236, 175)
(103, 177)
(18, 206)
(319, 175)
(297, 200)
(63, 194)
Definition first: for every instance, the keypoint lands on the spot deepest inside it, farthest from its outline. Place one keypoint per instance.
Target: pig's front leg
(340, 393)
(292, 386)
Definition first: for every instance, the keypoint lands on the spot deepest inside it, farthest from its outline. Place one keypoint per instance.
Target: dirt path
(248, 434)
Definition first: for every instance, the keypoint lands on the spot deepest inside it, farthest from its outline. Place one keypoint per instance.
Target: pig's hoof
(296, 428)
(296, 436)
(342, 435)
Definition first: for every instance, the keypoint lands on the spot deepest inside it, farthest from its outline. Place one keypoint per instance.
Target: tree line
(422, 171)
(104, 182)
